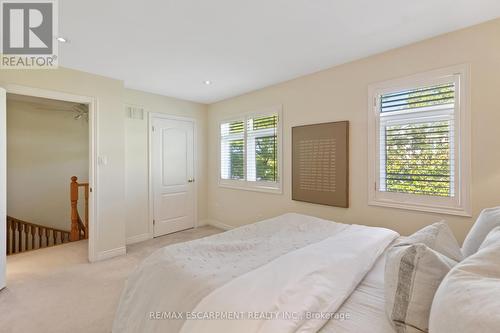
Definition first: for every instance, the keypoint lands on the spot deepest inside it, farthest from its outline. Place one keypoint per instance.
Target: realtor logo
(28, 34)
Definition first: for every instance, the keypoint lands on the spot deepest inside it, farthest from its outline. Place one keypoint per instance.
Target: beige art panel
(320, 163)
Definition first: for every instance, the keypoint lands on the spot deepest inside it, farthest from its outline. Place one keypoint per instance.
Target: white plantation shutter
(249, 150)
(262, 162)
(232, 147)
(417, 141)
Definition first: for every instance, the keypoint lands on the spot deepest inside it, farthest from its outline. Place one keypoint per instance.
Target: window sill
(458, 211)
(252, 188)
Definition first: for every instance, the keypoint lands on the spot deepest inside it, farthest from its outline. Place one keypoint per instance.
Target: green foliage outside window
(418, 159)
(418, 155)
(236, 152)
(265, 158)
(266, 163)
(266, 149)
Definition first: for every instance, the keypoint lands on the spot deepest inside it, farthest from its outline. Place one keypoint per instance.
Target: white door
(3, 186)
(172, 158)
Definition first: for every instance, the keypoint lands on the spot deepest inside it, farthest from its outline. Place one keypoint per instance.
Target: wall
(340, 93)
(45, 147)
(123, 143)
(110, 192)
(136, 158)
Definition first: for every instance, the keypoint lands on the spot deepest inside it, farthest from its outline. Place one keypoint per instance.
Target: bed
(292, 273)
(365, 306)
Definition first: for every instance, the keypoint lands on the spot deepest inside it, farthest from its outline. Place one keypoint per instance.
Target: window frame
(244, 184)
(459, 204)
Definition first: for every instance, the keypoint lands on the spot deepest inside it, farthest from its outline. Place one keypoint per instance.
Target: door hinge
(154, 222)
(152, 128)
(375, 184)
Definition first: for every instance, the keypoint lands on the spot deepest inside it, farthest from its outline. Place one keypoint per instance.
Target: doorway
(79, 109)
(172, 174)
(47, 172)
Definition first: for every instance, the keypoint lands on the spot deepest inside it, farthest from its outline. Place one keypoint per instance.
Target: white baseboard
(108, 254)
(138, 238)
(218, 224)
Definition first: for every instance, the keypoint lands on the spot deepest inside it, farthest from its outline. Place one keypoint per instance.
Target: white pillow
(439, 237)
(412, 276)
(492, 238)
(468, 299)
(487, 220)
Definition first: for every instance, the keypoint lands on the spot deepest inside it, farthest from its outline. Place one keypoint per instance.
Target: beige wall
(340, 93)
(123, 141)
(45, 147)
(136, 157)
(110, 193)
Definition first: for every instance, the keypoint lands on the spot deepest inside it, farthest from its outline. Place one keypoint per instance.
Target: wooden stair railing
(79, 228)
(24, 236)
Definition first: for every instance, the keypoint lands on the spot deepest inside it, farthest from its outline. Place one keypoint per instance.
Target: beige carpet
(57, 290)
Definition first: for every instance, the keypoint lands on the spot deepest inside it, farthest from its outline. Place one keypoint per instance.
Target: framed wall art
(320, 163)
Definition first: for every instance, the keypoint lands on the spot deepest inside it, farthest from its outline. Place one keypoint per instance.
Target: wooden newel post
(75, 232)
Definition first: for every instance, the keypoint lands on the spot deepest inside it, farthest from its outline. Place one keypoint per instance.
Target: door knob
(191, 180)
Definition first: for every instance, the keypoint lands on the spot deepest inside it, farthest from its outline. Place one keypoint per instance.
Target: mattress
(364, 310)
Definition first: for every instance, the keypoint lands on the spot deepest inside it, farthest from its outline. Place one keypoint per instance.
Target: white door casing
(172, 166)
(3, 186)
(94, 225)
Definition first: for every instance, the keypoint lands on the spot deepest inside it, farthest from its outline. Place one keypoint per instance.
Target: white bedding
(290, 263)
(364, 310)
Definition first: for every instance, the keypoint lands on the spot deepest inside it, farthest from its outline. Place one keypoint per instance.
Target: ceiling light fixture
(207, 82)
(62, 39)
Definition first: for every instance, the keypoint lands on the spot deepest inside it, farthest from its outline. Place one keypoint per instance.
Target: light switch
(102, 160)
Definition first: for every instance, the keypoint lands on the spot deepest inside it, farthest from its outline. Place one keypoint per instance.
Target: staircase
(79, 229)
(25, 236)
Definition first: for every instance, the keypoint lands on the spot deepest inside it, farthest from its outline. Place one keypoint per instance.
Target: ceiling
(171, 47)
(43, 102)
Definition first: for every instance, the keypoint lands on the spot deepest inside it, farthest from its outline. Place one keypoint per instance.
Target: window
(419, 135)
(250, 150)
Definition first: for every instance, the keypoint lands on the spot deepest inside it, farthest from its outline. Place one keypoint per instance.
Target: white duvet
(287, 274)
